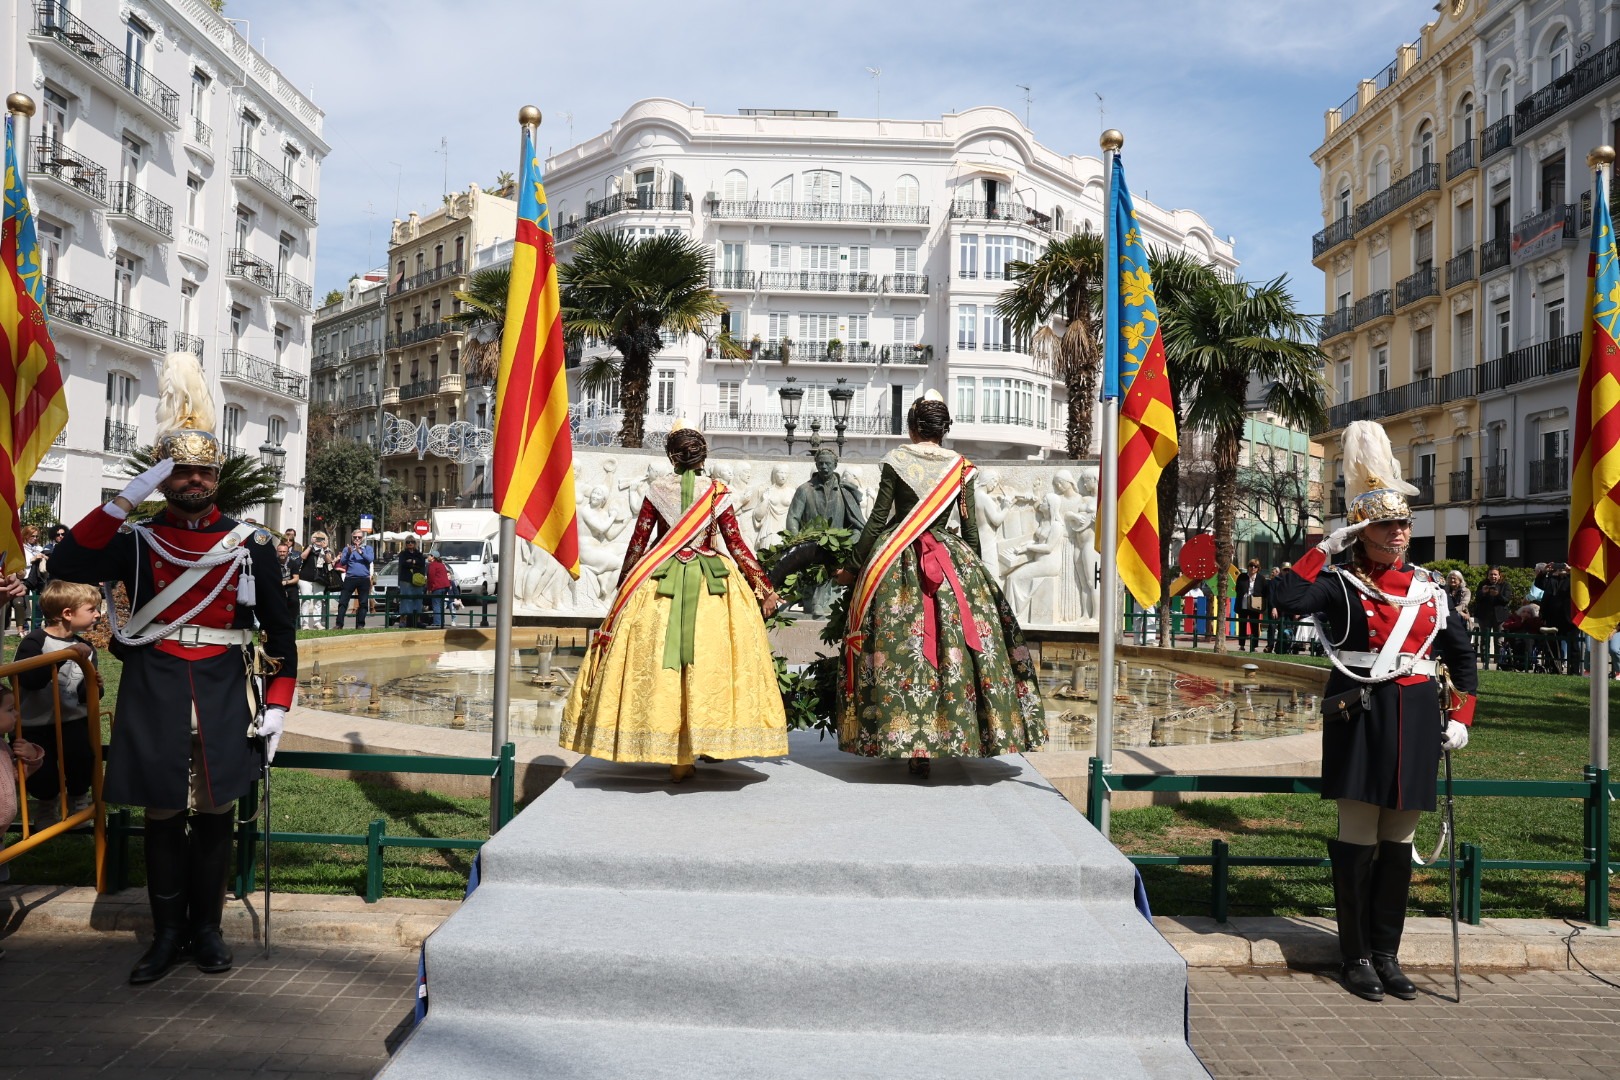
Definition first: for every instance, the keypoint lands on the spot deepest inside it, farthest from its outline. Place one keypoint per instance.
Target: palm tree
(505, 183)
(628, 293)
(1066, 283)
(483, 317)
(1224, 338)
(244, 482)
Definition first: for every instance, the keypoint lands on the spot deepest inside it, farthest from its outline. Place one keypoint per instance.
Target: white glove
(270, 727)
(1456, 736)
(1340, 539)
(140, 489)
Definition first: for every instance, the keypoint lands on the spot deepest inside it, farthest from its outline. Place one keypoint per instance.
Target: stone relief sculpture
(603, 538)
(1037, 564)
(770, 513)
(1082, 524)
(1070, 522)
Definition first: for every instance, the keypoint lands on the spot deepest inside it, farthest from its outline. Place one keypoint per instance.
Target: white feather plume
(1369, 461)
(183, 397)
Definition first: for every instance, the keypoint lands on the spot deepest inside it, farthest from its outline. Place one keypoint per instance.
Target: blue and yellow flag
(1134, 369)
(33, 404)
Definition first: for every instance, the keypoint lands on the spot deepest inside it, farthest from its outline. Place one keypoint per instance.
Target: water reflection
(1172, 702)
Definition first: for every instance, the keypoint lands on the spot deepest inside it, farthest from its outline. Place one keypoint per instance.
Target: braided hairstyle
(686, 449)
(929, 418)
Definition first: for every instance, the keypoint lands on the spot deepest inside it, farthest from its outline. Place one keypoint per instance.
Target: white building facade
(854, 252)
(174, 175)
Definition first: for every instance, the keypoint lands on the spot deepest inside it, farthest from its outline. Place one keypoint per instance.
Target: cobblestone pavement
(1537, 1025)
(66, 1013)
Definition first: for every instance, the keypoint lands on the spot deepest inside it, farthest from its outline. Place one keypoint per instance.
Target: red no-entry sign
(421, 528)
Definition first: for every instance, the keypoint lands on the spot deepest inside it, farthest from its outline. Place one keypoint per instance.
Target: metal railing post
(1219, 879)
(374, 860)
(508, 786)
(1596, 832)
(247, 836)
(1094, 790)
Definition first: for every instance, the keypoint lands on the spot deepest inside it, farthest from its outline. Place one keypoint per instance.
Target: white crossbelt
(202, 635)
(1355, 659)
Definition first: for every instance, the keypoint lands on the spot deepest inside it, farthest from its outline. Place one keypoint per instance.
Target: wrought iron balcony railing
(1495, 139)
(1425, 492)
(1532, 362)
(1374, 306)
(1334, 235)
(1547, 474)
(76, 307)
(246, 266)
(907, 284)
(418, 389)
(117, 438)
(245, 163)
(819, 281)
(257, 371)
(772, 422)
(1415, 287)
(1495, 254)
(668, 201)
(1460, 268)
(971, 210)
(128, 201)
(53, 22)
(1462, 486)
(1496, 481)
(1423, 179)
(1597, 70)
(69, 167)
(295, 292)
(1337, 322)
(732, 279)
(1460, 160)
(190, 343)
(201, 133)
(425, 332)
(365, 399)
(859, 213)
(428, 277)
(816, 352)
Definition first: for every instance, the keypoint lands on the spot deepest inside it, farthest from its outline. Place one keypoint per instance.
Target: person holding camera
(1491, 607)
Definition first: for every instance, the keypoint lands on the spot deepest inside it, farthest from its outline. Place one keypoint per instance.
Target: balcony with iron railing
(365, 399)
(1462, 486)
(669, 202)
(1543, 475)
(836, 213)
(816, 352)
(1496, 481)
(117, 438)
(971, 210)
(74, 308)
(1332, 236)
(772, 422)
(1336, 504)
(425, 332)
(826, 281)
(1460, 160)
(68, 170)
(1544, 232)
(189, 343)
(292, 291)
(244, 266)
(428, 277)
(132, 206)
(906, 284)
(1415, 287)
(238, 366)
(74, 38)
(732, 280)
(1460, 269)
(1586, 77)
(248, 165)
(1337, 322)
(421, 388)
(202, 136)
(1420, 181)
(1425, 490)
(1374, 306)
(1418, 394)
(1495, 139)
(1545, 358)
(1495, 255)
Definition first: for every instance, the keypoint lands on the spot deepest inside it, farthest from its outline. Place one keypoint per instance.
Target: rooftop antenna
(568, 118)
(399, 180)
(1027, 101)
(1102, 117)
(877, 84)
(444, 152)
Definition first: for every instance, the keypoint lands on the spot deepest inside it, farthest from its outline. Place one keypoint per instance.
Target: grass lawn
(304, 802)
(1529, 726)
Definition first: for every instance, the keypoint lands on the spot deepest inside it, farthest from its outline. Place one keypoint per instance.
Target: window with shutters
(778, 322)
(905, 330)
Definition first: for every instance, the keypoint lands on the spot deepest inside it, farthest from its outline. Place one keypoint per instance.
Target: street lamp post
(383, 484)
(792, 397)
(273, 458)
(841, 396)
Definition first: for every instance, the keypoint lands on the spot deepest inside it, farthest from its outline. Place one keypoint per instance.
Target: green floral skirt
(975, 703)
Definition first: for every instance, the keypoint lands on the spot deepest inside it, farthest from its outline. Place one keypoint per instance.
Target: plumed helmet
(1373, 488)
(185, 414)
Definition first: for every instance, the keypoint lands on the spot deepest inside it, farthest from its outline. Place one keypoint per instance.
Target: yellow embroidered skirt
(725, 705)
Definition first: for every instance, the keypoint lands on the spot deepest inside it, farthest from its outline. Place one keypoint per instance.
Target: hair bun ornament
(933, 395)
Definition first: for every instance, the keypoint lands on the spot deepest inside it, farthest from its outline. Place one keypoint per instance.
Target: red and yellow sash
(929, 507)
(681, 534)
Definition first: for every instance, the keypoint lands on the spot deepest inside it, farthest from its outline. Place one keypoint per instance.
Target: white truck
(468, 541)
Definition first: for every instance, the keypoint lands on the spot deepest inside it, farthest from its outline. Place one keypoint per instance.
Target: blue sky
(1221, 101)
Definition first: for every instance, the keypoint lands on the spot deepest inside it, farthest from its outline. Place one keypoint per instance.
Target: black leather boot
(166, 859)
(1391, 883)
(210, 871)
(1352, 872)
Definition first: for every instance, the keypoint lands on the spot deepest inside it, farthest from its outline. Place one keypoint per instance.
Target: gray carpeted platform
(823, 916)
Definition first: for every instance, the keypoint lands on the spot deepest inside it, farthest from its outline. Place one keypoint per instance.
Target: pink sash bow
(935, 568)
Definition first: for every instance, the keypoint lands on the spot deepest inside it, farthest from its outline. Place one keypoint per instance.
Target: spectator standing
(412, 584)
(1252, 590)
(19, 609)
(1491, 607)
(355, 562)
(438, 583)
(1458, 596)
(1556, 613)
(315, 575)
(291, 565)
(70, 609)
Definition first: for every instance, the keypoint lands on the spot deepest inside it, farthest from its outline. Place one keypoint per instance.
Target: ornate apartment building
(1403, 211)
(174, 175)
(346, 366)
(854, 254)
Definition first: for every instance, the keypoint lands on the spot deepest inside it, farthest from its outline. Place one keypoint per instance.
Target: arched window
(1504, 96)
(1423, 145)
(907, 192)
(822, 186)
(1558, 54)
(1057, 220)
(782, 190)
(859, 193)
(1465, 120)
(1378, 175)
(734, 187)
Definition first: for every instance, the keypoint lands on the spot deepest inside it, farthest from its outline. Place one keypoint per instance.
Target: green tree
(483, 317)
(342, 484)
(244, 482)
(1224, 339)
(1064, 283)
(335, 296)
(505, 183)
(627, 294)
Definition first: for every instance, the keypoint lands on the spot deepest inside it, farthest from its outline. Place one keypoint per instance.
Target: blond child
(68, 608)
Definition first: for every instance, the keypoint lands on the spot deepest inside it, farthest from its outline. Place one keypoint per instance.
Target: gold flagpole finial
(529, 115)
(1112, 139)
(1603, 155)
(20, 103)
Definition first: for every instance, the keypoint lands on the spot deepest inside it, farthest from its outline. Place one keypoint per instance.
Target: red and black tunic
(1387, 756)
(150, 760)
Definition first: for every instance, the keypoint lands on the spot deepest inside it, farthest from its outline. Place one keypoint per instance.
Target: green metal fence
(501, 769)
(1595, 791)
(477, 610)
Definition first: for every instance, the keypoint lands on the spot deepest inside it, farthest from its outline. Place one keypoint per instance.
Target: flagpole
(505, 584)
(1108, 499)
(1598, 720)
(21, 108)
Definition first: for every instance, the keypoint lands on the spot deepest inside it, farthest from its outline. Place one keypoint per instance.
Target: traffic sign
(421, 528)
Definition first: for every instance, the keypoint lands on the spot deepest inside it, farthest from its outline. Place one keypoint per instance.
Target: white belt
(202, 635)
(1354, 659)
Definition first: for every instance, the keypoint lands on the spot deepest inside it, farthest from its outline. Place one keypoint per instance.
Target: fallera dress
(682, 666)
(935, 663)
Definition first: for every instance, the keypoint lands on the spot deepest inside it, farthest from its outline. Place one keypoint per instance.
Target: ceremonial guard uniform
(1401, 690)
(200, 704)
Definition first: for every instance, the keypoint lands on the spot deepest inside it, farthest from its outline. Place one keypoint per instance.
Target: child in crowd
(69, 608)
(11, 751)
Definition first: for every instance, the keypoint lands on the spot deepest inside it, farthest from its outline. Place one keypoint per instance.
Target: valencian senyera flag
(1134, 372)
(534, 449)
(1594, 512)
(33, 405)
